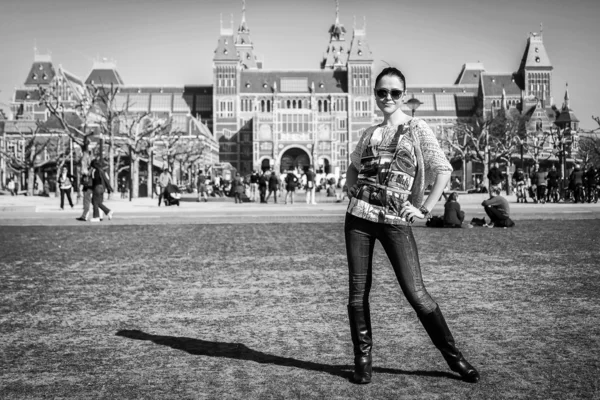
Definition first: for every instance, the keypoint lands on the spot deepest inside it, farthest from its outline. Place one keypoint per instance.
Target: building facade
(256, 118)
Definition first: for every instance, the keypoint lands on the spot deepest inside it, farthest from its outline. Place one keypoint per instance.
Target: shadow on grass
(240, 351)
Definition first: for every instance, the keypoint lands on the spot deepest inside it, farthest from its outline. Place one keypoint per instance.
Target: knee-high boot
(360, 329)
(437, 329)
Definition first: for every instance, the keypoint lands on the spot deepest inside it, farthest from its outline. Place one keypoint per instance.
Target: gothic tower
(336, 55)
(535, 72)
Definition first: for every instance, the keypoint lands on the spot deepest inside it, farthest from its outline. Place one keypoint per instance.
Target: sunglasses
(383, 93)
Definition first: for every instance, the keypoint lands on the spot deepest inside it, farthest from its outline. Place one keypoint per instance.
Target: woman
(237, 187)
(453, 215)
(391, 166)
(99, 184)
(65, 183)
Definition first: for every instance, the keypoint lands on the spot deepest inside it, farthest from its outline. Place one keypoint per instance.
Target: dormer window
(359, 43)
(247, 56)
(247, 84)
(28, 96)
(225, 51)
(40, 67)
(360, 52)
(537, 50)
(34, 77)
(44, 77)
(321, 85)
(243, 41)
(493, 80)
(225, 41)
(265, 85)
(537, 59)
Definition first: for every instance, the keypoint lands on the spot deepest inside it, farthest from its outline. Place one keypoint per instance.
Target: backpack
(478, 222)
(435, 222)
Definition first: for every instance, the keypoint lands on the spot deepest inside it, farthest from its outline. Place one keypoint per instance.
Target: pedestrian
(391, 166)
(87, 189)
(291, 183)
(310, 186)
(576, 181)
(553, 178)
(497, 208)
(254, 185)
(202, 191)
(591, 183)
(542, 183)
(100, 184)
(163, 181)
(123, 187)
(263, 181)
(495, 176)
(237, 187)
(273, 187)
(11, 187)
(453, 215)
(518, 181)
(65, 184)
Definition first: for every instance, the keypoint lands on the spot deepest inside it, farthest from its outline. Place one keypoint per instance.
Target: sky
(171, 42)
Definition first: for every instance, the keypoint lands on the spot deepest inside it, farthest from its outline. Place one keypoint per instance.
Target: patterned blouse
(395, 165)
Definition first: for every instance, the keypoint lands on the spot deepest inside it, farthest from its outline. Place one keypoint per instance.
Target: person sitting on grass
(497, 208)
(453, 215)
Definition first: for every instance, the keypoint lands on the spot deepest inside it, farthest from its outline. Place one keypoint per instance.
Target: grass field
(245, 312)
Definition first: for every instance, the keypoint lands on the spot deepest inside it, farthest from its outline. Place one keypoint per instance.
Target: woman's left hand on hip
(410, 212)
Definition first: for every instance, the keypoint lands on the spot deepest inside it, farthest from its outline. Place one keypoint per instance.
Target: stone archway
(294, 157)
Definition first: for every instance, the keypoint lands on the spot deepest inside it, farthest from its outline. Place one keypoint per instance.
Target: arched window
(325, 106)
(288, 104)
(320, 105)
(268, 105)
(294, 104)
(262, 106)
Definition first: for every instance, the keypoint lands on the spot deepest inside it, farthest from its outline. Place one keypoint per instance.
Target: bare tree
(37, 147)
(188, 151)
(457, 139)
(135, 131)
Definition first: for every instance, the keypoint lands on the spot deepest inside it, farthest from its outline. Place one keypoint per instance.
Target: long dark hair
(393, 72)
(452, 197)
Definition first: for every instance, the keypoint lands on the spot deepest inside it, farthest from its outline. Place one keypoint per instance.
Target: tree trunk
(111, 163)
(508, 189)
(30, 180)
(486, 170)
(464, 174)
(135, 175)
(149, 180)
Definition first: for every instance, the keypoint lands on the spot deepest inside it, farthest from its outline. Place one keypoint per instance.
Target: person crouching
(497, 208)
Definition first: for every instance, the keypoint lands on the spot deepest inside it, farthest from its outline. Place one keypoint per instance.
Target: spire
(541, 29)
(567, 104)
(243, 27)
(337, 12)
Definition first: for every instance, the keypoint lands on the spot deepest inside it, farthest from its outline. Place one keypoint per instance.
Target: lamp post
(413, 104)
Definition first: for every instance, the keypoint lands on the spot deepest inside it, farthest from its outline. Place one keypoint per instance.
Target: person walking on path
(254, 177)
(202, 190)
(237, 187)
(273, 187)
(498, 210)
(100, 184)
(391, 166)
(495, 176)
(87, 189)
(11, 187)
(291, 183)
(310, 186)
(65, 184)
(163, 181)
(263, 181)
(576, 181)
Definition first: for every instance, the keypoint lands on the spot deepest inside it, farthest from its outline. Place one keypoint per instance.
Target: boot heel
(363, 369)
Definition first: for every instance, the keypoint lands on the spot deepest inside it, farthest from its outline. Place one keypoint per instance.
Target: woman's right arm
(351, 179)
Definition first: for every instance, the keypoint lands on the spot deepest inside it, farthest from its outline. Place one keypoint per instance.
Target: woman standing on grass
(391, 166)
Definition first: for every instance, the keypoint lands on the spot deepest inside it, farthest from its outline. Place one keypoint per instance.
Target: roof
(104, 77)
(470, 73)
(535, 55)
(440, 104)
(28, 94)
(263, 81)
(41, 73)
(226, 50)
(70, 77)
(493, 83)
(359, 48)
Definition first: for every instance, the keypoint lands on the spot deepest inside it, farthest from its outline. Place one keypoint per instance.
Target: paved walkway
(25, 210)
